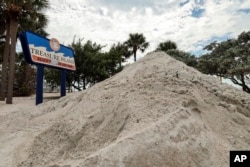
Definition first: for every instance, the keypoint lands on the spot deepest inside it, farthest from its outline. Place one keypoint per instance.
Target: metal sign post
(63, 83)
(39, 84)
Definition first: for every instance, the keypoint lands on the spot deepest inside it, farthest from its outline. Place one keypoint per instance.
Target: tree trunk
(13, 33)
(134, 50)
(120, 62)
(135, 56)
(244, 86)
(5, 64)
(220, 78)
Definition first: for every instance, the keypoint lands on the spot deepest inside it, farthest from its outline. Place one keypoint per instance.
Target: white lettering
(240, 158)
(237, 158)
(243, 157)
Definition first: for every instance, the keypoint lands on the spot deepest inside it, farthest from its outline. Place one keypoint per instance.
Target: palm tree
(36, 22)
(136, 41)
(167, 45)
(16, 11)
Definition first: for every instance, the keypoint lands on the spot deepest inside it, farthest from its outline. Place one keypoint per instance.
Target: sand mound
(156, 112)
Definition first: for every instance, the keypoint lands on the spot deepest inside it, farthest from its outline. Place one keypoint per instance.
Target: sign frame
(49, 52)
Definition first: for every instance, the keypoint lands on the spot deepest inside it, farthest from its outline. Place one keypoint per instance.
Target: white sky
(192, 24)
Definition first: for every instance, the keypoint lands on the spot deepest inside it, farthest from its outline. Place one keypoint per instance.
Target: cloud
(189, 23)
(125, 5)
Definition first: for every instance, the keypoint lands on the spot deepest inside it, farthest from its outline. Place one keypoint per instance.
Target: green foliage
(185, 57)
(52, 77)
(18, 16)
(117, 55)
(136, 42)
(30, 15)
(229, 59)
(25, 78)
(167, 45)
(171, 49)
(89, 65)
(207, 64)
(92, 65)
(24, 83)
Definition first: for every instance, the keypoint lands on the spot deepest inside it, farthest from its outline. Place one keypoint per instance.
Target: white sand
(144, 116)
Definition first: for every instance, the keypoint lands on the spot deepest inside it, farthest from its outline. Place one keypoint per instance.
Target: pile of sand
(156, 112)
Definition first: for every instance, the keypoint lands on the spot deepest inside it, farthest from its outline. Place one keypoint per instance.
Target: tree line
(93, 65)
(228, 59)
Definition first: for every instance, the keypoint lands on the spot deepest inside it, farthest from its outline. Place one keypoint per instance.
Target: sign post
(39, 84)
(63, 83)
(42, 52)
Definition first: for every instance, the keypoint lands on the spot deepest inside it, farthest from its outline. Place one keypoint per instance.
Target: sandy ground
(156, 112)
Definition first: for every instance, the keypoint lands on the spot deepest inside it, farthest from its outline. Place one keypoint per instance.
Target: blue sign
(49, 52)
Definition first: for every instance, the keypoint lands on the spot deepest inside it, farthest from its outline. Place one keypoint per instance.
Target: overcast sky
(190, 23)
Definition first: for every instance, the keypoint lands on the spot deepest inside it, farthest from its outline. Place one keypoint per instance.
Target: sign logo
(54, 44)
